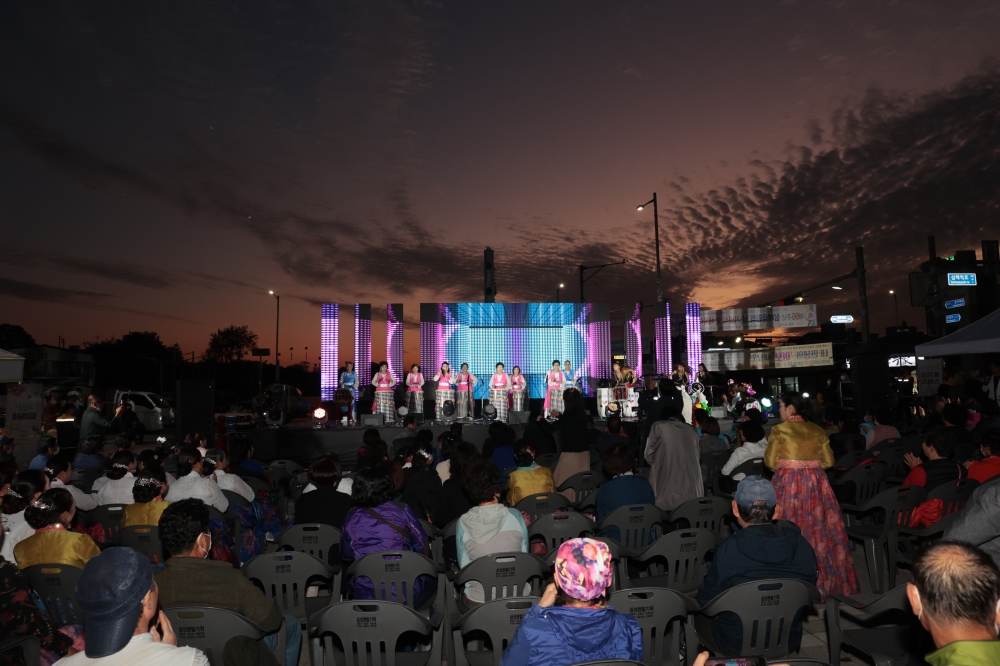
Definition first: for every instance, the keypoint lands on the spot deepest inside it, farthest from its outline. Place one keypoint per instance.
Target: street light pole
(277, 329)
(895, 303)
(656, 236)
(599, 267)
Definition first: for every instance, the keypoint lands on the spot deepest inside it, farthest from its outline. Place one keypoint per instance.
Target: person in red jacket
(938, 447)
(989, 466)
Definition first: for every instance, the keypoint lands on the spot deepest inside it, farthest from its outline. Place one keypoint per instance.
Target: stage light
(561, 286)
(766, 402)
(720, 343)
(490, 413)
(805, 395)
(319, 413)
(739, 339)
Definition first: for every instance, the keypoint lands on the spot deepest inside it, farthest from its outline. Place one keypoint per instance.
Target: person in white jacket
(213, 466)
(26, 487)
(59, 470)
(191, 484)
(752, 444)
(120, 479)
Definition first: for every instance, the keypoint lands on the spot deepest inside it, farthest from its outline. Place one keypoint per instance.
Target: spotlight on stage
(612, 409)
(490, 413)
(319, 417)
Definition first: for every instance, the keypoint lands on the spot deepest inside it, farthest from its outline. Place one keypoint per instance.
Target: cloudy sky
(163, 165)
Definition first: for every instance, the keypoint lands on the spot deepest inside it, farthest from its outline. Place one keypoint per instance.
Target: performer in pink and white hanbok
(445, 390)
(499, 386)
(554, 382)
(463, 400)
(518, 390)
(415, 390)
(385, 402)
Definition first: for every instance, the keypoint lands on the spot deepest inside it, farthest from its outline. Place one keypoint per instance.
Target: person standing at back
(673, 453)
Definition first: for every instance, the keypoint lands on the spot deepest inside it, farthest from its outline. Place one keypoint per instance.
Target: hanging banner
(759, 319)
(930, 375)
(24, 420)
(804, 356)
(709, 320)
(732, 320)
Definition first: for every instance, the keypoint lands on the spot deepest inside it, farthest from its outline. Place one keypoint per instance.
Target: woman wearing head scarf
(572, 622)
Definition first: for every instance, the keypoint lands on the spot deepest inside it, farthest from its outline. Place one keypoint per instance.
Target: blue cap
(110, 592)
(755, 489)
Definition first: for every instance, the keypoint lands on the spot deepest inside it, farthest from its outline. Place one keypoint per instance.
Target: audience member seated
(503, 448)
(622, 487)
(710, 439)
(325, 505)
(989, 466)
(60, 471)
(489, 526)
(672, 451)
(979, 522)
(409, 436)
(956, 417)
(242, 463)
(115, 487)
(213, 466)
(529, 478)
(847, 426)
(422, 485)
(149, 458)
(376, 523)
(20, 616)
(26, 487)
(191, 484)
(489, 444)
(453, 502)
(938, 446)
(613, 435)
(51, 516)
(751, 443)
(147, 493)
(989, 419)
(572, 622)
(956, 594)
(446, 446)
(883, 429)
(48, 448)
(190, 579)
(758, 550)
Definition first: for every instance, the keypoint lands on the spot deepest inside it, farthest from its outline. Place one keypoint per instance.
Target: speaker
(195, 408)
(419, 418)
(517, 417)
(372, 419)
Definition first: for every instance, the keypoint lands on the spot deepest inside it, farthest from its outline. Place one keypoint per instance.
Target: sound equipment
(195, 408)
(372, 419)
(517, 417)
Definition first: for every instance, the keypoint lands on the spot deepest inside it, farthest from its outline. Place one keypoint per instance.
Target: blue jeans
(293, 640)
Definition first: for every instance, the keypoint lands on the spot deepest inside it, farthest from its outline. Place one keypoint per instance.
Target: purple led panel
(598, 343)
(692, 313)
(633, 340)
(328, 350)
(664, 360)
(394, 339)
(363, 342)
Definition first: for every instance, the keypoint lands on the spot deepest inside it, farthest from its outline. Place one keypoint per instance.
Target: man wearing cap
(122, 624)
(757, 551)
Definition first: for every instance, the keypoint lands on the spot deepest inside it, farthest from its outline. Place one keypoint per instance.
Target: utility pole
(859, 254)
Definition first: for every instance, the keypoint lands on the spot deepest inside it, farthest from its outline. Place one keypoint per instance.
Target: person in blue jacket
(572, 622)
(622, 487)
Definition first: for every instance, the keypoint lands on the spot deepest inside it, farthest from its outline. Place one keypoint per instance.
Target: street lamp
(895, 302)
(561, 285)
(656, 236)
(277, 328)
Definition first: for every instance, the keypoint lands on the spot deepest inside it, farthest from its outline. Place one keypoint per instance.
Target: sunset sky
(162, 166)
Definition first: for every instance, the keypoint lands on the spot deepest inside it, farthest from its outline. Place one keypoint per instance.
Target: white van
(153, 411)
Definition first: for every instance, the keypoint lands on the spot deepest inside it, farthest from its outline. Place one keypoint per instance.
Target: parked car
(153, 411)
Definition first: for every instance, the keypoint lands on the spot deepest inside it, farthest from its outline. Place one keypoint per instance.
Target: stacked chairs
(55, 586)
(482, 634)
(555, 528)
(712, 513)
(540, 504)
(371, 630)
(635, 526)
(894, 506)
(286, 576)
(209, 629)
(676, 561)
(888, 632)
(662, 615)
(583, 485)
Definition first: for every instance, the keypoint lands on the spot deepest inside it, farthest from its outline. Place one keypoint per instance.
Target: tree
(230, 344)
(13, 336)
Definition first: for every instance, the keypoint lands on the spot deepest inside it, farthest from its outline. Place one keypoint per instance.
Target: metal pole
(859, 254)
(277, 348)
(557, 295)
(895, 303)
(656, 234)
(582, 300)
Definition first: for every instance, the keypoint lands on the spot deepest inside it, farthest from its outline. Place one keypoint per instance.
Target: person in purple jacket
(376, 524)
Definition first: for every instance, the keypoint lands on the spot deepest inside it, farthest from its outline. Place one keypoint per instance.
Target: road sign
(952, 319)
(961, 279)
(957, 303)
(260, 352)
(842, 319)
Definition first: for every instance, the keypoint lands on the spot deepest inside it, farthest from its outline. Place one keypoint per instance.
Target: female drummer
(554, 381)
(444, 392)
(569, 380)
(499, 386)
(349, 381)
(463, 403)
(415, 390)
(385, 404)
(518, 390)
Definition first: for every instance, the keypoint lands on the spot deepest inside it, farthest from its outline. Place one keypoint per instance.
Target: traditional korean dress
(415, 392)
(463, 401)
(518, 393)
(444, 392)
(554, 391)
(499, 386)
(385, 403)
(569, 380)
(349, 381)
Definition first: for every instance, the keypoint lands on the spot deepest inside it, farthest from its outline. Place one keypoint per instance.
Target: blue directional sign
(957, 303)
(961, 279)
(952, 319)
(842, 319)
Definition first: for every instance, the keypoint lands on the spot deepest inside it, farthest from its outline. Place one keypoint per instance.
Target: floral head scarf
(583, 568)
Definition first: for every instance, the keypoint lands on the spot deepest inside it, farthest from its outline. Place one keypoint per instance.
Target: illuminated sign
(842, 319)
(952, 319)
(957, 303)
(961, 279)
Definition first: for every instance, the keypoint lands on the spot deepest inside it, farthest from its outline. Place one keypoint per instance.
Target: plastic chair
(285, 577)
(554, 528)
(363, 626)
(393, 574)
(661, 614)
(846, 462)
(889, 634)
(894, 459)
(320, 541)
(144, 539)
(638, 525)
(28, 646)
(711, 465)
(505, 575)
(496, 621)
(55, 585)
(582, 484)
(953, 495)
(895, 505)
(209, 629)
(767, 609)
(108, 516)
(541, 503)
(707, 512)
(84, 479)
(904, 542)
(683, 552)
(859, 484)
(235, 498)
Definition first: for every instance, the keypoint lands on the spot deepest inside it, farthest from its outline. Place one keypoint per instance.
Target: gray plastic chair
(235, 498)
(846, 462)
(549, 460)
(110, 517)
(638, 525)
(144, 539)
(707, 512)
(539, 504)
(860, 483)
(904, 542)
(683, 554)
(482, 634)
(894, 459)
(895, 506)
(55, 585)
(766, 608)
(209, 629)
(888, 632)
(582, 484)
(362, 626)
(554, 528)
(28, 646)
(953, 495)
(504, 574)
(661, 615)
(393, 574)
(726, 485)
(320, 541)
(711, 464)
(285, 576)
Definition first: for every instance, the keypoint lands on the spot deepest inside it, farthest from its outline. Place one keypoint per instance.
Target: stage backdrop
(529, 335)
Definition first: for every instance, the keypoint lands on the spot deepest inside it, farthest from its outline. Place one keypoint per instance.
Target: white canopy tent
(11, 368)
(981, 337)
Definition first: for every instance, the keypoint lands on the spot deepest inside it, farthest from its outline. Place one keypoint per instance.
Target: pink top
(555, 378)
(499, 381)
(384, 382)
(414, 382)
(517, 382)
(465, 381)
(444, 381)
